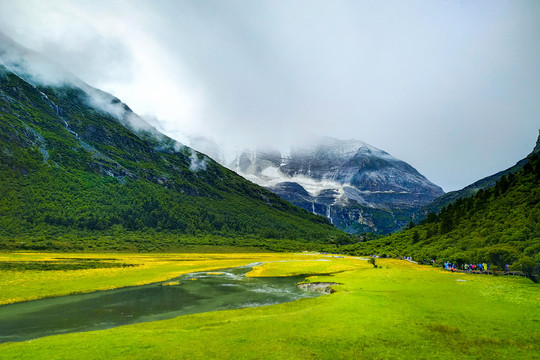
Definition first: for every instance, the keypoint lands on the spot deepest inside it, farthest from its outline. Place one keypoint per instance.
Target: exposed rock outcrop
(321, 287)
(358, 187)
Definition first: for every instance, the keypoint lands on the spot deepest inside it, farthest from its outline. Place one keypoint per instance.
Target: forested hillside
(499, 225)
(471, 190)
(76, 166)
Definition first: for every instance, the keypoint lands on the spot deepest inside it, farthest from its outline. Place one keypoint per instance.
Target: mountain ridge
(74, 168)
(473, 188)
(499, 224)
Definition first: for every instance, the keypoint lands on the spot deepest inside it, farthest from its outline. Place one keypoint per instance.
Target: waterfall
(328, 207)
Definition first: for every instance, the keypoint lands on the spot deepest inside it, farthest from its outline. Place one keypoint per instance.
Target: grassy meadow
(397, 310)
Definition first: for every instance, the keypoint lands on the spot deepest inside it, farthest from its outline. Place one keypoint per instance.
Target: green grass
(398, 310)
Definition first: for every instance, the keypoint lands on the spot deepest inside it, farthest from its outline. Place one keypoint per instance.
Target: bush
(527, 266)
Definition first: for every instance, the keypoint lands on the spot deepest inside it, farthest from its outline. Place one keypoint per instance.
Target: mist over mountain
(358, 187)
(77, 166)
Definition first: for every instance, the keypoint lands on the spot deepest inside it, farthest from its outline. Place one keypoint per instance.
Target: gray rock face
(320, 287)
(537, 146)
(355, 185)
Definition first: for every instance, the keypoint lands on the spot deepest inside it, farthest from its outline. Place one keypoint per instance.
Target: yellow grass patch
(323, 265)
(171, 283)
(26, 285)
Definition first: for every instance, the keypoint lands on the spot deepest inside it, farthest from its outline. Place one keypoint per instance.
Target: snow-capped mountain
(355, 185)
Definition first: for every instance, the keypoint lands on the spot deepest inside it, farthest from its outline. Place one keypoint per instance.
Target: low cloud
(113, 106)
(450, 87)
(32, 66)
(197, 163)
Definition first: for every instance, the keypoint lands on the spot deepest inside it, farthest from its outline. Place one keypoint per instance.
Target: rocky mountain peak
(346, 181)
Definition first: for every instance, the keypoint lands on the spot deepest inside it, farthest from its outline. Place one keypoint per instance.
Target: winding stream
(188, 294)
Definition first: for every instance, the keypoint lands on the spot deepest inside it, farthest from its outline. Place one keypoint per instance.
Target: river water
(194, 293)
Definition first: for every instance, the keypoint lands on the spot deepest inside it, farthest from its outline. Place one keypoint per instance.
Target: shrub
(528, 266)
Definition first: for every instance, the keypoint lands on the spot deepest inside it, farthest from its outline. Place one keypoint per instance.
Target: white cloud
(450, 87)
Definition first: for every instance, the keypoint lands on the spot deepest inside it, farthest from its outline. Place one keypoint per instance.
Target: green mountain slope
(470, 190)
(76, 163)
(499, 225)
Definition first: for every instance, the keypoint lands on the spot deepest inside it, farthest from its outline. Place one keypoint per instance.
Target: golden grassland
(26, 285)
(307, 266)
(398, 310)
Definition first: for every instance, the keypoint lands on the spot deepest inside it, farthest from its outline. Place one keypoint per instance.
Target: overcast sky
(451, 87)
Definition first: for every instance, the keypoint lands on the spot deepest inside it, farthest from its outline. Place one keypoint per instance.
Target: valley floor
(397, 310)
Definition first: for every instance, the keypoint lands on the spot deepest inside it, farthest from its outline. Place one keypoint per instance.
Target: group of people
(477, 267)
(450, 266)
(467, 267)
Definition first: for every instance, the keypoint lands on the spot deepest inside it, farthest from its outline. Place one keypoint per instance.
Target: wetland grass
(397, 310)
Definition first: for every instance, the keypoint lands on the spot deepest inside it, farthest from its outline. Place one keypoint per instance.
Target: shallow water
(194, 293)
